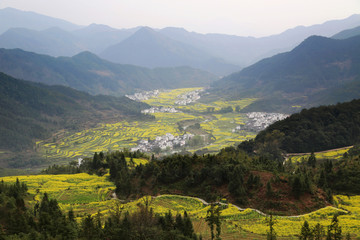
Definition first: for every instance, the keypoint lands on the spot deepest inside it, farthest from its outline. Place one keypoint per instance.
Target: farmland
(330, 154)
(86, 193)
(217, 129)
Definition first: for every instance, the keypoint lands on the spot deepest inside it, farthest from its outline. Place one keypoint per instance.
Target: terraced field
(109, 137)
(86, 193)
(331, 154)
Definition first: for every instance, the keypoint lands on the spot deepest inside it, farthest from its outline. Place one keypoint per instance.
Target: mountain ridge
(306, 73)
(87, 72)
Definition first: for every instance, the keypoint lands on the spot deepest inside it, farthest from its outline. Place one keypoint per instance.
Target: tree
(297, 187)
(269, 191)
(318, 232)
(271, 234)
(306, 233)
(334, 230)
(213, 219)
(312, 160)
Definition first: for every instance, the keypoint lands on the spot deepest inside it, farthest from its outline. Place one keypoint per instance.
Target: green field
(215, 128)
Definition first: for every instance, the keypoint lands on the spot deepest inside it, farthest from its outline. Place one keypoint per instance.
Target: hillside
(53, 41)
(317, 129)
(30, 112)
(305, 76)
(89, 73)
(244, 51)
(150, 48)
(347, 33)
(96, 37)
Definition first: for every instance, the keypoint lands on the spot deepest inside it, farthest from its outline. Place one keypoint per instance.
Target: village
(189, 97)
(258, 121)
(162, 143)
(142, 96)
(160, 109)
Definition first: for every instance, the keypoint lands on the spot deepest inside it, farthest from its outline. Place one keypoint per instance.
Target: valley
(182, 123)
(151, 131)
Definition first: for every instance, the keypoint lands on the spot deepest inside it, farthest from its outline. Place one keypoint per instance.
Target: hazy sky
(239, 17)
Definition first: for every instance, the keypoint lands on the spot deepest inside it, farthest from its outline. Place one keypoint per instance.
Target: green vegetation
(317, 129)
(35, 111)
(45, 220)
(89, 73)
(212, 130)
(318, 71)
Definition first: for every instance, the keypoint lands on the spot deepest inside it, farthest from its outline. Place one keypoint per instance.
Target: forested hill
(89, 73)
(30, 111)
(319, 71)
(317, 129)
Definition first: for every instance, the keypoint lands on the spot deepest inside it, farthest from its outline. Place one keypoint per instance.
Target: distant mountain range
(150, 48)
(30, 111)
(347, 33)
(217, 53)
(89, 73)
(13, 18)
(318, 71)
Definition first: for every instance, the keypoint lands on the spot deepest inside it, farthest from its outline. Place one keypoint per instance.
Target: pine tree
(271, 234)
(334, 230)
(318, 232)
(306, 233)
(269, 191)
(213, 219)
(312, 160)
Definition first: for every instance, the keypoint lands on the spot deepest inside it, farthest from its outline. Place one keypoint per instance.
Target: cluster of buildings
(260, 120)
(189, 97)
(160, 109)
(144, 95)
(167, 141)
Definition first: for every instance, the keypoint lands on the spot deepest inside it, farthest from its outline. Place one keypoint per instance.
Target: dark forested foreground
(45, 220)
(231, 173)
(245, 179)
(315, 129)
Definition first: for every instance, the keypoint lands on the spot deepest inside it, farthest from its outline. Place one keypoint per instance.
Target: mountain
(244, 51)
(13, 18)
(30, 111)
(347, 33)
(150, 48)
(97, 37)
(317, 129)
(220, 54)
(305, 76)
(87, 72)
(53, 41)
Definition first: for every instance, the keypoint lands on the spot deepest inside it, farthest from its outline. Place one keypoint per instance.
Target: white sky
(238, 17)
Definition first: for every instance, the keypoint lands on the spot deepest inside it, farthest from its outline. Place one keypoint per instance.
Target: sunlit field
(90, 194)
(331, 154)
(126, 134)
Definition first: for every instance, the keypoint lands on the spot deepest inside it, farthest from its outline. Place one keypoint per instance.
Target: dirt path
(243, 209)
